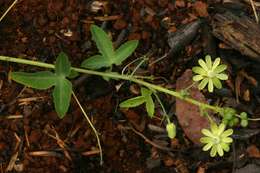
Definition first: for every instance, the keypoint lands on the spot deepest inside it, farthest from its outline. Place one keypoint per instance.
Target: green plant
(209, 73)
(46, 79)
(62, 86)
(108, 56)
(146, 97)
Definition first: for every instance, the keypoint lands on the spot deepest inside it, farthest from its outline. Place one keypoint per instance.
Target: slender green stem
(92, 126)
(117, 76)
(163, 109)
(249, 119)
(137, 67)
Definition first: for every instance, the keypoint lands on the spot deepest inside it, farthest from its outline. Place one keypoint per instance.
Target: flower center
(211, 74)
(217, 140)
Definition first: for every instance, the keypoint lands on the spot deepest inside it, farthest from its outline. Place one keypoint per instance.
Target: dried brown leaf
(188, 114)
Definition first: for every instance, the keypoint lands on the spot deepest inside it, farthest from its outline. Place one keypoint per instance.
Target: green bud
(244, 123)
(236, 121)
(231, 123)
(225, 121)
(243, 115)
(228, 116)
(171, 130)
(228, 113)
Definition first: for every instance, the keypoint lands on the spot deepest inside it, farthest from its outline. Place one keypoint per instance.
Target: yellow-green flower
(217, 139)
(210, 73)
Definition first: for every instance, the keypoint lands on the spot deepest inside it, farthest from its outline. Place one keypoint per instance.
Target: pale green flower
(217, 139)
(210, 73)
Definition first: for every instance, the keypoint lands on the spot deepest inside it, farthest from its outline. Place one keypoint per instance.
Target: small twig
(107, 18)
(149, 141)
(125, 67)
(45, 153)
(255, 13)
(15, 155)
(159, 59)
(9, 8)
(91, 152)
(12, 162)
(60, 142)
(11, 116)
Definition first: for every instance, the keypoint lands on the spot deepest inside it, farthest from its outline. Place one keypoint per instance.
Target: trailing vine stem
(92, 127)
(117, 76)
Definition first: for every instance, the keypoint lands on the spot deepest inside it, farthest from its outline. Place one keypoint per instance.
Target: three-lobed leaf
(146, 97)
(108, 56)
(46, 79)
(38, 80)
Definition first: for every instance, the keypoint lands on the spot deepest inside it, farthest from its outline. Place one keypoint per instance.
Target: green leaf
(73, 74)
(146, 92)
(124, 51)
(103, 42)
(62, 65)
(61, 96)
(39, 80)
(132, 102)
(96, 62)
(149, 105)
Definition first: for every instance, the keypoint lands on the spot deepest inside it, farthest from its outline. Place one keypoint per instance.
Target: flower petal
(220, 150)
(221, 129)
(210, 85)
(226, 133)
(199, 70)
(216, 63)
(208, 146)
(225, 146)
(206, 132)
(214, 128)
(206, 140)
(216, 82)
(222, 76)
(220, 68)
(203, 83)
(227, 140)
(208, 61)
(203, 64)
(213, 151)
(197, 78)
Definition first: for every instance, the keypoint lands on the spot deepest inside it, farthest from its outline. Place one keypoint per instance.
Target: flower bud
(171, 130)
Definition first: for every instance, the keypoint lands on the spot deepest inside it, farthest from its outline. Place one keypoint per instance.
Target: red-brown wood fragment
(188, 114)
